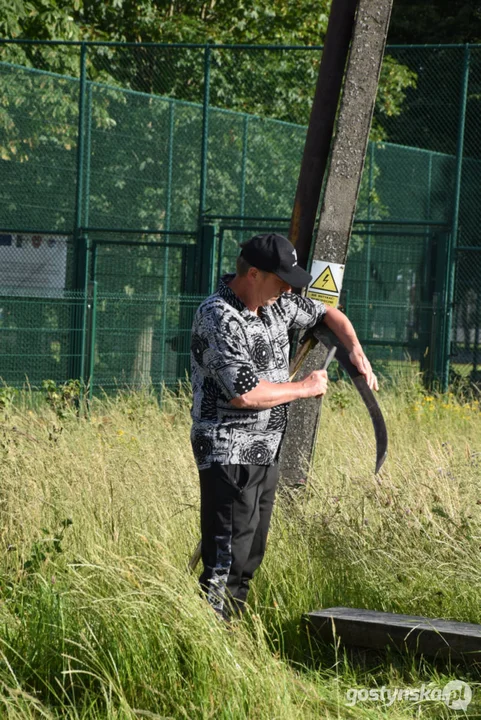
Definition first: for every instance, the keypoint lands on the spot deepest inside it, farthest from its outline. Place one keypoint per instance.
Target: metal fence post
(203, 167)
(477, 321)
(430, 187)
(220, 253)
(83, 219)
(245, 139)
(77, 333)
(168, 213)
(79, 199)
(368, 254)
(88, 145)
(205, 131)
(93, 333)
(170, 165)
(206, 268)
(453, 240)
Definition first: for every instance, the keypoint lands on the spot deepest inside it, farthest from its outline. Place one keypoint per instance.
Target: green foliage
(340, 396)
(435, 21)
(273, 21)
(8, 396)
(396, 78)
(258, 83)
(63, 398)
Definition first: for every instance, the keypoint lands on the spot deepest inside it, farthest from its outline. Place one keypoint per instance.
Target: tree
(264, 83)
(435, 21)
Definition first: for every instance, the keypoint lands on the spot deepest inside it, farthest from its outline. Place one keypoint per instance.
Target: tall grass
(98, 518)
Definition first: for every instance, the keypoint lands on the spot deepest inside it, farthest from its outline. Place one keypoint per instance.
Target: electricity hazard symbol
(327, 282)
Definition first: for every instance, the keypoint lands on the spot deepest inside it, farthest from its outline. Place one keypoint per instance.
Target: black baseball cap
(274, 253)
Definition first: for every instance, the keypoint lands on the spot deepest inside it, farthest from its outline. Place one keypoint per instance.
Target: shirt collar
(229, 296)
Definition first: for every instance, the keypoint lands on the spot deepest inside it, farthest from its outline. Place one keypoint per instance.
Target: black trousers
(236, 506)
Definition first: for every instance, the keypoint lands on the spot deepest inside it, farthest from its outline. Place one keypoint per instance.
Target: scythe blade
(325, 336)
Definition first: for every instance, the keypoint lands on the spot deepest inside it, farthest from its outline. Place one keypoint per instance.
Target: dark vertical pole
(460, 143)
(477, 320)
(186, 311)
(206, 269)
(367, 281)
(352, 132)
(93, 338)
(205, 132)
(170, 166)
(443, 362)
(245, 140)
(203, 167)
(425, 280)
(77, 330)
(84, 206)
(339, 201)
(220, 253)
(88, 153)
(321, 126)
(168, 214)
(81, 140)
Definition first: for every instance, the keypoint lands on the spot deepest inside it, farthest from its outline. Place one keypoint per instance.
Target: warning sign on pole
(326, 282)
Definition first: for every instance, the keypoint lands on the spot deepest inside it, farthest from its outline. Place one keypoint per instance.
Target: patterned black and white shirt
(232, 350)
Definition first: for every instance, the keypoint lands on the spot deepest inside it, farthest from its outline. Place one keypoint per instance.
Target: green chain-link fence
(138, 169)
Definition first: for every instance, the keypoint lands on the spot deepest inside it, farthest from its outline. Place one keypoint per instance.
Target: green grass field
(100, 619)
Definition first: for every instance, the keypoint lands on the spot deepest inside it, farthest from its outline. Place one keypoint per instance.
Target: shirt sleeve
(220, 349)
(302, 312)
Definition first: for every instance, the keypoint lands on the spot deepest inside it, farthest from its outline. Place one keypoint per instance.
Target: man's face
(270, 287)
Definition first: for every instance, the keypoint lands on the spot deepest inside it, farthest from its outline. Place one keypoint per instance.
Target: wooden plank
(378, 630)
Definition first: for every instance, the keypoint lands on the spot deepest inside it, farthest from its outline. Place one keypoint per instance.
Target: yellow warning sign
(331, 300)
(325, 281)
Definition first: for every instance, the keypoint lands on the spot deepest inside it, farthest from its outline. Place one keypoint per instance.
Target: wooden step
(378, 630)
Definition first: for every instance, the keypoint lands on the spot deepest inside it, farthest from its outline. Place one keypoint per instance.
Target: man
(241, 392)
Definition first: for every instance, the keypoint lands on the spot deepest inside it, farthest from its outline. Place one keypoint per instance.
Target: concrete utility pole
(339, 201)
(321, 126)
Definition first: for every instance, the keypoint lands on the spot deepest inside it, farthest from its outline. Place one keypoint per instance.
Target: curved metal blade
(380, 430)
(328, 338)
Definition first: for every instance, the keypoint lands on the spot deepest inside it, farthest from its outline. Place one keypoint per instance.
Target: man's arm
(267, 395)
(342, 327)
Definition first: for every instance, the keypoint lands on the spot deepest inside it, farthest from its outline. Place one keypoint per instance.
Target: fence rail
(108, 150)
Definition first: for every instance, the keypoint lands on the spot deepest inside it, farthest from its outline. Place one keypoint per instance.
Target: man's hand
(357, 357)
(315, 384)
(342, 327)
